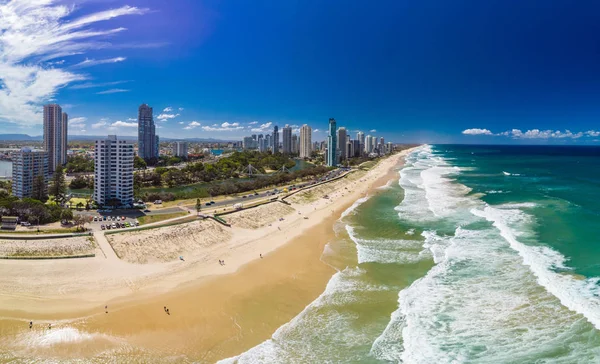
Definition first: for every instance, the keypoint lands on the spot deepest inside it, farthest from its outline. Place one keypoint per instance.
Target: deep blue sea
(474, 254)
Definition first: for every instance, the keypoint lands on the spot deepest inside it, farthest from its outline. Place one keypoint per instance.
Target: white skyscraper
(180, 149)
(55, 136)
(368, 144)
(286, 138)
(305, 141)
(113, 162)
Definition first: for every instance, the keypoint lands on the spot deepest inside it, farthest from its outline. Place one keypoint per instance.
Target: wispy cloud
(192, 125)
(373, 131)
(34, 33)
(165, 116)
(95, 62)
(534, 133)
(168, 109)
(95, 85)
(124, 124)
(262, 127)
(226, 126)
(77, 122)
(112, 91)
(476, 131)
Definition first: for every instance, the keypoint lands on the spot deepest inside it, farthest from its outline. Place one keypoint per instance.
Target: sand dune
(166, 244)
(47, 247)
(259, 216)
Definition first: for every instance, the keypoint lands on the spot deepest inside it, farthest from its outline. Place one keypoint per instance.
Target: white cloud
(168, 109)
(100, 124)
(181, 109)
(373, 131)
(192, 125)
(112, 91)
(226, 126)
(132, 119)
(476, 131)
(534, 133)
(33, 33)
(124, 124)
(253, 123)
(165, 117)
(93, 85)
(262, 127)
(181, 123)
(95, 62)
(77, 121)
(316, 130)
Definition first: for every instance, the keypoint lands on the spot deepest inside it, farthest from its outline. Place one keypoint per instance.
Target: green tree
(198, 205)
(139, 163)
(58, 187)
(39, 189)
(66, 215)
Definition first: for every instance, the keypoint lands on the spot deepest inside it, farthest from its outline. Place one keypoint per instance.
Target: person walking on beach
(106, 308)
(165, 308)
(30, 324)
(49, 326)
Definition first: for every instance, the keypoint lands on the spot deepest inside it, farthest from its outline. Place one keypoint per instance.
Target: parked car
(207, 204)
(146, 210)
(108, 226)
(95, 218)
(114, 225)
(102, 227)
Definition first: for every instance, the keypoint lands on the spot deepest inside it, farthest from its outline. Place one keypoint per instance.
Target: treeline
(79, 164)
(225, 168)
(31, 210)
(232, 186)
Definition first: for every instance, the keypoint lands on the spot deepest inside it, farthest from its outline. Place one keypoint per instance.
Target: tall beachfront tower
(360, 136)
(305, 141)
(55, 136)
(286, 137)
(113, 172)
(331, 159)
(342, 139)
(147, 139)
(28, 164)
(275, 140)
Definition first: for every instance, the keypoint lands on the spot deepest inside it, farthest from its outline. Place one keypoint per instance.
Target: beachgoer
(261, 256)
(30, 324)
(168, 312)
(49, 326)
(165, 308)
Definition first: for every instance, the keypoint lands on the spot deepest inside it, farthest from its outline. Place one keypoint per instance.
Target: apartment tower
(55, 136)
(305, 141)
(113, 163)
(332, 159)
(147, 138)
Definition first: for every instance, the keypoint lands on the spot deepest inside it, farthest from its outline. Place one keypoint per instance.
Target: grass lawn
(42, 231)
(156, 218)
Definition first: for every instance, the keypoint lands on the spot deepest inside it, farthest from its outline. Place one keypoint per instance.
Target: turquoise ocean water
(472, 255)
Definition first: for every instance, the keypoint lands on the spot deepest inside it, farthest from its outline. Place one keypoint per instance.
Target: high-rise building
(275, 140)
(27, 165)
(113, 174)
(261, 143)
(295, 144)
(64, 137)
(55, 136)
(342, 143)
(389, 147)
(356, 148)
(360, 136)
(368, 144)
(286, 138)
(268, 142)
(147, 138)
(180, 149)
(248, 143)
(332, 158)
(305, 141)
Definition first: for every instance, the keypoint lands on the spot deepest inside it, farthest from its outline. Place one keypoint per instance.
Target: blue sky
(414, 71)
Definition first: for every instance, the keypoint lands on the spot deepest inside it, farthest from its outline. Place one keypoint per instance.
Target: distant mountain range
(39, 138)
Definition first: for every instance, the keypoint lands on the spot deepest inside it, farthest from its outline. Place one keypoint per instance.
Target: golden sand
(213, 316)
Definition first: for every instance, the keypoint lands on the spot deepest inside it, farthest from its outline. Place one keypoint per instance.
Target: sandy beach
(219, 313)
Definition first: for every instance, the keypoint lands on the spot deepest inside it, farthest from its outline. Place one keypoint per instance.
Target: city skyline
(100, 60)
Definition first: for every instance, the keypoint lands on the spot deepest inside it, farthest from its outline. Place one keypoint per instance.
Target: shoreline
(290, 267)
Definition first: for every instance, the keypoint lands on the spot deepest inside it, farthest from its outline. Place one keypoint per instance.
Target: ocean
(474, 254)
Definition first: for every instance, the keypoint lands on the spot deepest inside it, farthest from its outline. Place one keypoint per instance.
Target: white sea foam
(356, 203)
(579, 295)
(510, 174)
(386, 250)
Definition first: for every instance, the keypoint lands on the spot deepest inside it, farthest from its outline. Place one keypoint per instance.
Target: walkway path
(107, 249)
